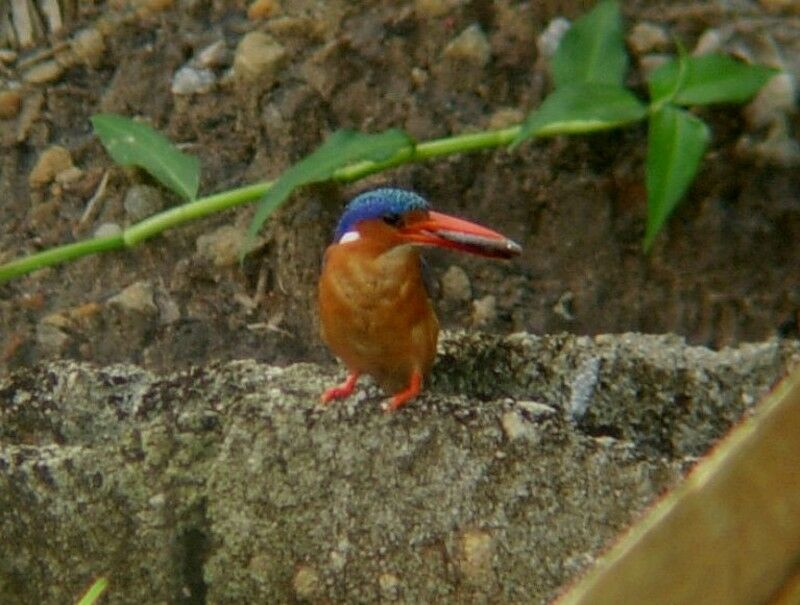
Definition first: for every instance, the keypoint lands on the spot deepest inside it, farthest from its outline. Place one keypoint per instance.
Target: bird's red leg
(341, 391)
(403, 397)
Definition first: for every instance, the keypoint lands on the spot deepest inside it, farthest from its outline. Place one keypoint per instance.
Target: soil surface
(724, 270)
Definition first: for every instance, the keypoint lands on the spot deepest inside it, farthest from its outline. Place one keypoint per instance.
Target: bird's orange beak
(445, 231)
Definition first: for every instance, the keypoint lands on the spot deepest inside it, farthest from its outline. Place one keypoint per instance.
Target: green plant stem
(60, 254)
(179, 215)
(95, 592)
(462, 143)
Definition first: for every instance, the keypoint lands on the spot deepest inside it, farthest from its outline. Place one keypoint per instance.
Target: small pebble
(605, 441)
(563, 306)
(514, 426)
(50, 339)
(431, 9)
(456, 285)
(550, 38)
(317, 70)
(263, 9)
(214, 55)
(419, 76)
(390, 586)
(59, 319)
(647, 37)
(168, 310)
(338, 560)
(222, 246)
(306, 583)
(470, 45)
(52, 161)
(583, 386)
(259, 57)
(142, 201)
(475, 560)
(147, 8)
(89, 46)
(108, 230)
(47, 71)
(138, 298)
(649, 63)
(776, 98)
(710, 41)
(536, 409)
(484, 311)
(192, 80)
(10, 103)
(32, 106)
(505, 117)
(779, 147)
(69, 176)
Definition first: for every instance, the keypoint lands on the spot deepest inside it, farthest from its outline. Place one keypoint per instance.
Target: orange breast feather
(375, 312)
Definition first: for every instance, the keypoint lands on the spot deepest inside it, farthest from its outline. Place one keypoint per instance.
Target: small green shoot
(588, 70)
(342, 148)
(94, 592)
(133, 143)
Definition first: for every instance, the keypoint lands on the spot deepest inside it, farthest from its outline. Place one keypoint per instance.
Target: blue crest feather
(378, 203)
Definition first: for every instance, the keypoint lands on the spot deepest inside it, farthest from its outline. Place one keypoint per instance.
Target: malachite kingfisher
(374, 309)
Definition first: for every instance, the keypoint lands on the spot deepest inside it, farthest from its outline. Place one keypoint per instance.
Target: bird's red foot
(403, 397)
(340, 391)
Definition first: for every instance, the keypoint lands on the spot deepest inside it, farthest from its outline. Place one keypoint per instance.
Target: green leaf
(342, 148)
(133, 143)
(94, 592)
(593, 49)
(676, 143)
(665, 82)
(581, 107)
(707, 79)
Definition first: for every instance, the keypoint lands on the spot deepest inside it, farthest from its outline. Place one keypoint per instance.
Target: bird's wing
(429, 279)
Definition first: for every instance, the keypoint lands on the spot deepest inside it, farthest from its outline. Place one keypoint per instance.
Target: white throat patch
(350, 236)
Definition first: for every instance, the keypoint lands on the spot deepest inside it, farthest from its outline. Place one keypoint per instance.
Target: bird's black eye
(395, 220)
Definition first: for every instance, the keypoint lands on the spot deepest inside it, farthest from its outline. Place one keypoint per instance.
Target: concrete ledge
(230, 484)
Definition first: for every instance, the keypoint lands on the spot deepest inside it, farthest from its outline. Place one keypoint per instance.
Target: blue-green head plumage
(384, 203)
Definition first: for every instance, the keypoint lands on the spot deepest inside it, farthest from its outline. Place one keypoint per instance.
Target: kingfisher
(374, 308)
